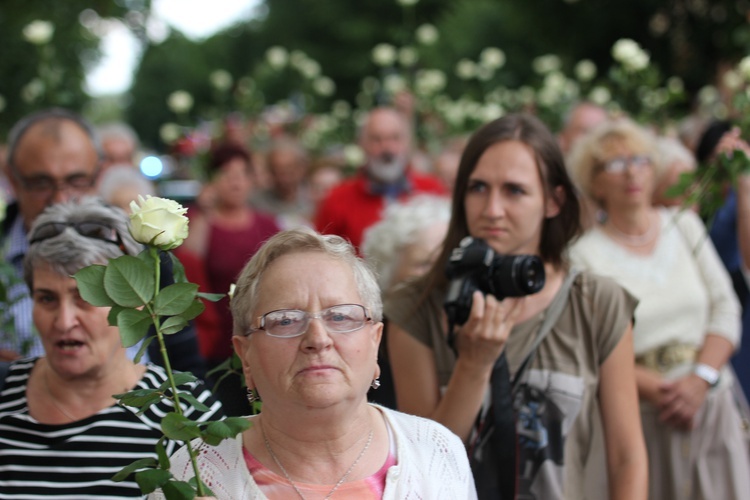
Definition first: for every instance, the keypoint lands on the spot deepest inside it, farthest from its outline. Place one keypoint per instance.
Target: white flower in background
(341, 109)
(32, 90)
(427, 34)
(39, 32)
(744, 68)
(309, 68)
(221, 80)
(491, 111)
(600, 95)
(180, 101)
(526, 95)
(384, 54)
(370, 84)
(492, 58)
(455, 114)
(169, 132)
(484, 73)
(158, 221)
(732, 80)
(3, 103)
(628, 53)
(407, 3)
(277, 56)
(585, 70)
(708, 95)
(429, 81)
(324, 86)
(408, 56)
(353, 155)
(546, 63)
(675, 85)
(297, 58)
(394, 83)
(466, 69)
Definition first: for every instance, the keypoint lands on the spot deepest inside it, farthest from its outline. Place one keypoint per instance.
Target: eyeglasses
(288, 323)
(94, 230)
(620, 164)
(44, 185)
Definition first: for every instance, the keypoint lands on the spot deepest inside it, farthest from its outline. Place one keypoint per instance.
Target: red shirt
(352, 206)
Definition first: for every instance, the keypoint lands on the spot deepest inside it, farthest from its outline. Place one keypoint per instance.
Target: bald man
(357, 203)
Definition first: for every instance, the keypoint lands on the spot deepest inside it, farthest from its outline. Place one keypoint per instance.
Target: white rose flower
(353, 155)
(628, 53)
(585, 70)
(546, 64)
(32, 90)
(394, 83)
(466, 69)
(169, 132)
(277, 56)
(492, 58)
(427, 34)
(38, 32)
(221, 80)
(732, 80)
(324, 86)
(744, 68)
(429, 81)
(600, 95)
(309, 68)
(180, 101)
(341, 109)
(675, 85)
(407, 56)
(384, 54)
(159, 222)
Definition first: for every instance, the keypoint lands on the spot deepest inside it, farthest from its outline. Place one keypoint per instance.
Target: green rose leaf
(142, 350)
(178, 490)
(193, 482)
(129, 281)
(236, 425)
(161, 453)
(141, 463)
(194, 401)
(150, 479)
(179, 427)
(139, 398)
(133, 325)
(175, 299)
(211, 297)
(173, 325)
(112, 316)
(184, 378)
(90, 282)
(195, 309)
(178, 270)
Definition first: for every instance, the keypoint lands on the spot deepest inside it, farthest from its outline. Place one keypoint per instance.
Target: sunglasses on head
(93, 230)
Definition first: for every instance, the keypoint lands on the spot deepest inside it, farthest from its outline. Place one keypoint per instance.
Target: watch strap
(708, 373)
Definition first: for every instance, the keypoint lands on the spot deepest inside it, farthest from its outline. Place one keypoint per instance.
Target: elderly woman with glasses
(686, 324)
(62, 434)
(307, 324)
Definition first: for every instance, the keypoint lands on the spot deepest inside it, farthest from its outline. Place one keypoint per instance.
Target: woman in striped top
(62, 435)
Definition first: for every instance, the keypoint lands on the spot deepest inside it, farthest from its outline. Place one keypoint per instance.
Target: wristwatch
(708, 373)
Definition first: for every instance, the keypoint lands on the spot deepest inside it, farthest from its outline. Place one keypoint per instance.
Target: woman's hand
(481, 340)
(681, 399)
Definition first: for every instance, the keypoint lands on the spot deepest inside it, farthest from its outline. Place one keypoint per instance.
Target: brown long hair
(558, 231)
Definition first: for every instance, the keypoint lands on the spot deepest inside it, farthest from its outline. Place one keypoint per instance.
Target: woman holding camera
(513, 192)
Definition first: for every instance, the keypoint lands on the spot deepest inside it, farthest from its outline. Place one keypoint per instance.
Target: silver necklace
(286, 474)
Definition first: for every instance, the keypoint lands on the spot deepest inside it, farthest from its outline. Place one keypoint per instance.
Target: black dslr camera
(473, 265)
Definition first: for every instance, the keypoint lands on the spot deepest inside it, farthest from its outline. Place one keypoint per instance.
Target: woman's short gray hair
(401, 225)
(302, 239)
(69, 252)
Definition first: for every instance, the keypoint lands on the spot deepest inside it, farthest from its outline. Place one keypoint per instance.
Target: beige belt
(664, 358)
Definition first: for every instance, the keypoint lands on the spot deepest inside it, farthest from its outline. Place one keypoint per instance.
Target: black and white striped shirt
(77, 460)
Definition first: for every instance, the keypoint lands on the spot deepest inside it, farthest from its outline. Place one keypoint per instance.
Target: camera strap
(499, 427)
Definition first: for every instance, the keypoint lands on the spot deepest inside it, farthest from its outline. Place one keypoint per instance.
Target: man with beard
(357, 203)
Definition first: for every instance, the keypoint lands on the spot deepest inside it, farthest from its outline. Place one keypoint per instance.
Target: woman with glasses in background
(62, 435)
(686, 324)
(307, 324)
